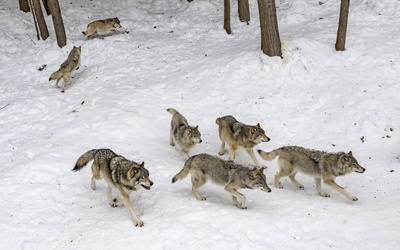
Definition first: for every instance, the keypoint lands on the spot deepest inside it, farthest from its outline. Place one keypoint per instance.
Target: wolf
(318, 164)
(239, 135)
(110, 24)
(119, 173)
(232, 176)
(72, 63)
(182, 134)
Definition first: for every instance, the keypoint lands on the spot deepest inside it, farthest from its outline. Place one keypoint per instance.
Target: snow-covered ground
(177, 54)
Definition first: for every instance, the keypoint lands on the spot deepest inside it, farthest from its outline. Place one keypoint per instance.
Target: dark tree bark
(34, 18)
(244, 11)
(46, 7)
(342, 29)
(55, 11)
(44, 32)
(24, 5)
(227, 16)
(270, 40)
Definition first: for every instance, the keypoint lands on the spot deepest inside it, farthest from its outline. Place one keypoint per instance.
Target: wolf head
(117, 23)
(256, 180)
(194, 134)
(258, 134)
(349, 164)
(138, 177)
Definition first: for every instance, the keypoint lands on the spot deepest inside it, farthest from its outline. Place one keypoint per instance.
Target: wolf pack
(126, 175)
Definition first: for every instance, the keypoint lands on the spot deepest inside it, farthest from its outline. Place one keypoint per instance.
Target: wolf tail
(172, 111)
(56, 75)
(184, 172)
(268, 156)
(84, 159)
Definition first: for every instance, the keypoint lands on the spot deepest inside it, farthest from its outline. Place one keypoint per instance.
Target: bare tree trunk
(270, 40)
(24, 5)
(244, 11)
(342, 29)
(44, 32)
(46, 7)
(34, 18)
(227, 16)
(55, 11)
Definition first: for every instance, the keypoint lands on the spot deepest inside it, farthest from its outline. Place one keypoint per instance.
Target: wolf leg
(197, 182)
(222, 148)
(293, 179)
(185, 154)
(113, 202)
(67, 78)
(96, 176)
(232, 150)
(128, 204)
(171, 138)
(238, 197)
(250, 152)
(319, 190)
(341, 190)
(285, 169)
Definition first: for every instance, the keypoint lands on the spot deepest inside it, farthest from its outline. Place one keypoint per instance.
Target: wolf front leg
(128, 204)
(341, 190)
(250, 152)
(238, 199)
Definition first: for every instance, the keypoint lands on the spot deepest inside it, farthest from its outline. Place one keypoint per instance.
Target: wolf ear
(262, 169)
(142, 164)
(258, 125)
(196, 127)
(350, 153)
(252, 175)
(346, 158)
(252, 129)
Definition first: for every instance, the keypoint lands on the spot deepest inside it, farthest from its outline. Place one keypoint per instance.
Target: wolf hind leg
(318, 187)
(198, 180)
(67, 78)
(222, 148)
(96, 176)
(293, 179)
(285, 169)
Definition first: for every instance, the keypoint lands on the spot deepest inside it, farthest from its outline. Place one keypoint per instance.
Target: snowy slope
(177, 54)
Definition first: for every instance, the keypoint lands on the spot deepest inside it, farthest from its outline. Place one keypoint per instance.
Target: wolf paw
(278, 186)
(324, 195)
(240, 206)
(139, 223)
(172, 144)
(354, 198)
(115, 203)
(221, 153)
(301, 187)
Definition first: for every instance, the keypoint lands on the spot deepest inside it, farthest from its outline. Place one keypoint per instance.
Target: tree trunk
(46, 7)
(44, 32)
(244, 11)
(270, 40)
(342, 29)
(24, 5)
(55, 11)
(34, 18)
(227, 16)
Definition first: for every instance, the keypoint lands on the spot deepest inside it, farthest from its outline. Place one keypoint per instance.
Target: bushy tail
(56, 75)
(172, 111)
(184, 172)
(84, 159)
(268, 156)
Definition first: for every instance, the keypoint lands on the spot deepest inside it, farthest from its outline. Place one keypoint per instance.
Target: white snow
(177, 54)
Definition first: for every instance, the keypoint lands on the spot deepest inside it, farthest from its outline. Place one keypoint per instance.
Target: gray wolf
(239, 135)
(72, 63)
(318, 164)
(182, 133)
(232, 176)
(105, 25)
(119, 173)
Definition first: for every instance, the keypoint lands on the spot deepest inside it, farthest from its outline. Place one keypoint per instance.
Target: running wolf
(119, 173)
(72, 63)
(182, 134)
(321, 165)
(239, 135)
(105, 25)
(230, 175)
